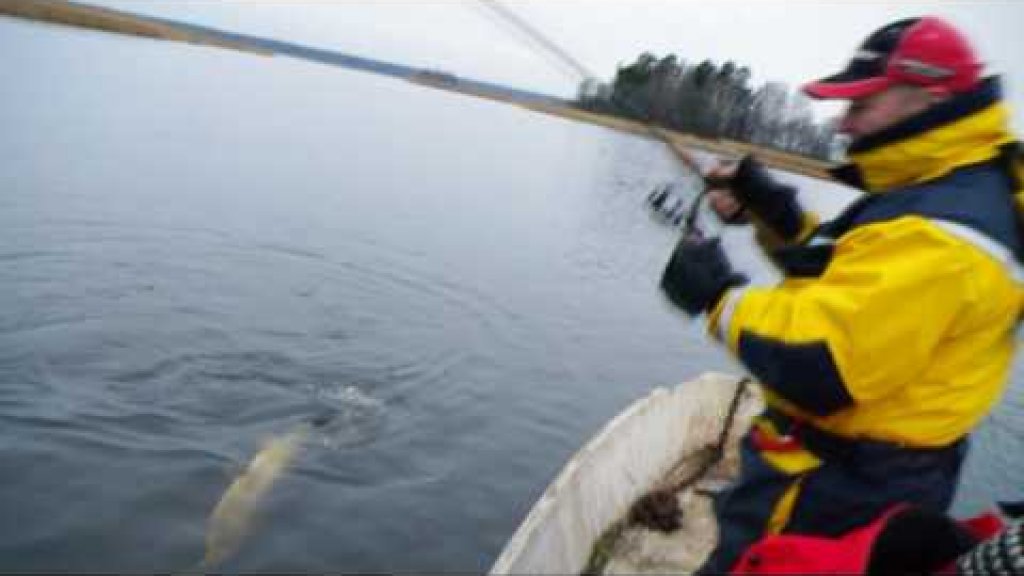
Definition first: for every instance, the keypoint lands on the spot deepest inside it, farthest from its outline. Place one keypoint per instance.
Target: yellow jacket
(896, 320)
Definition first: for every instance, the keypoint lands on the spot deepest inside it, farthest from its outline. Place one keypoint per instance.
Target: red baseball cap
(926, 51)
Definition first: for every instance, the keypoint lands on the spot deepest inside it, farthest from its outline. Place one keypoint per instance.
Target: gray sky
(791, 41)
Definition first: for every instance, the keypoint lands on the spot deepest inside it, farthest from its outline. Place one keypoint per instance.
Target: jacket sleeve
(865, 327)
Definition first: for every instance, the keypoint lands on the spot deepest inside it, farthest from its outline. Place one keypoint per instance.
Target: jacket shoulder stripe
(732, 299)
(993, 248)
(821, 241)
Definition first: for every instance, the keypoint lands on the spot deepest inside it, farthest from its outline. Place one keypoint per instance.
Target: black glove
(770, 201)
(698, 274)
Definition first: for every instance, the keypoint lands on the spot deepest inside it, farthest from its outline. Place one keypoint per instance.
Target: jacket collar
(966, 129)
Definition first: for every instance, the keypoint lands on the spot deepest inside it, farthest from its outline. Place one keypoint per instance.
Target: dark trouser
(856, 482)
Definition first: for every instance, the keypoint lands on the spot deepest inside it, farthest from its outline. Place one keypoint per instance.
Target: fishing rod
(690, 227)
(658, 509)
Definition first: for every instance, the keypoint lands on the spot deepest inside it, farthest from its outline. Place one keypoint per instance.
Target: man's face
(880, 110)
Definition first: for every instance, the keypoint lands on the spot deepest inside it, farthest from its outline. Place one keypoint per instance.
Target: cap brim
(838, 87)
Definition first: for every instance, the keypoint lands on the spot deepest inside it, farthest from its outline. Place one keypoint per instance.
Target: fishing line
(507, 15)
(690, 227)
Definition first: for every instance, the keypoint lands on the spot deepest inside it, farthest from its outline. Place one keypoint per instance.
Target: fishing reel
(669, 202)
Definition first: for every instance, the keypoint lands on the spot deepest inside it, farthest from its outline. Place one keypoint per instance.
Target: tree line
(711, 101)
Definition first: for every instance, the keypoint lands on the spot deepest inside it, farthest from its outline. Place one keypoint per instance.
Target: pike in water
(233, 516)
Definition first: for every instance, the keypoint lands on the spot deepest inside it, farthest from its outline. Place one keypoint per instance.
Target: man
(892, 332)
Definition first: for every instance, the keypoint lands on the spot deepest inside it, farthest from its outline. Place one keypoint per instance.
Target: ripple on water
(353, 417)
